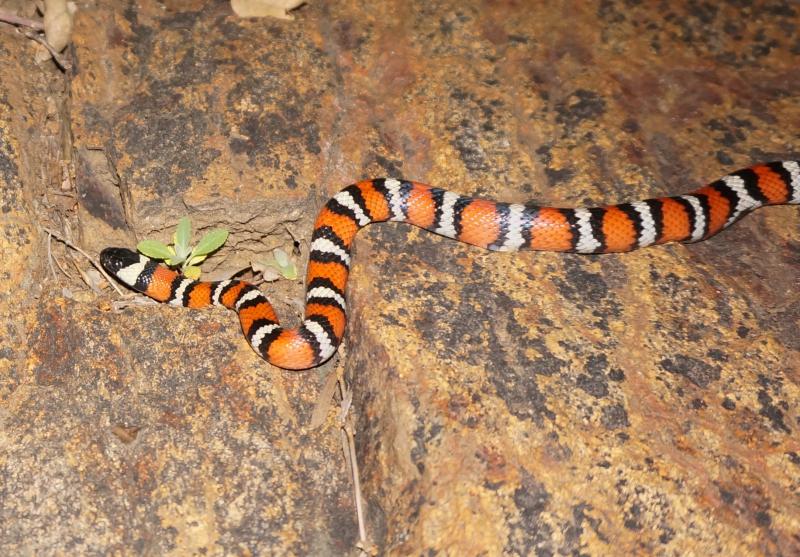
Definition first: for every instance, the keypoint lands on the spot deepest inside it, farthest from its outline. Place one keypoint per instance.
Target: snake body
(481, 222)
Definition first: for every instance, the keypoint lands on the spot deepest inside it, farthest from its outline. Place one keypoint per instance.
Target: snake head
(115, 259)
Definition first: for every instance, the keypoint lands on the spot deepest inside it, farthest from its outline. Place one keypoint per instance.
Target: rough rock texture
(151, 431)
(644, 403)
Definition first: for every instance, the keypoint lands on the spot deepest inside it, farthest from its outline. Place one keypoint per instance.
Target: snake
(485, 223)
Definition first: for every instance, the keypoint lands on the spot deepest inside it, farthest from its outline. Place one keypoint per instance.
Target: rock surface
(535, 403)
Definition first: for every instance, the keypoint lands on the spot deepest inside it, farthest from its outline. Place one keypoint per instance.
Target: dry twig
(32, 29)
(131, 300)
(53, 259)
(62, 193)
(85, 277)
(20, 21)
(349, 448)
(50, 256)
(99, 267)
(62, 62)
(333, 382)
(60, 266)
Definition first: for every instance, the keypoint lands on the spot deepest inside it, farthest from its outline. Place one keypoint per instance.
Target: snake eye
(114, 259)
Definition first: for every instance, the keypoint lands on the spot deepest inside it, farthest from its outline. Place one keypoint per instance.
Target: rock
(530, 403)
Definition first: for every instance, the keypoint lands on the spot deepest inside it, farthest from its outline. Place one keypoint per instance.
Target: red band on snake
(481, 222)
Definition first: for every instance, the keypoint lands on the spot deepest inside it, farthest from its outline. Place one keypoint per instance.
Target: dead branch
(99, 267)
(20, 21)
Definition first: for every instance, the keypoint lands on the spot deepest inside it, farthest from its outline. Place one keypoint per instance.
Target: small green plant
(280, 265)
(180, 252)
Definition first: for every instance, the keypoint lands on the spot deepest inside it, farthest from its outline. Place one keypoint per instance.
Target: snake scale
(481, 222)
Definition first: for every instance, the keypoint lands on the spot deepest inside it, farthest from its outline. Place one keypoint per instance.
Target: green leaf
(211, 241)
(154, 249)
(197, 259)
(281, 258)
(183, 235)
(182, 251)
(192, 272)
(175, 260)
(289, 271)
(284, 264)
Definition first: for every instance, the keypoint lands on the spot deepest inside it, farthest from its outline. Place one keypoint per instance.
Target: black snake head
(114, 259)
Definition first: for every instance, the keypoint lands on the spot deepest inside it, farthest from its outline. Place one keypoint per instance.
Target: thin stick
(61, 238)
(62, 193)
(349, 444)
(84, 276)
(21, 21)
(50, 256)
(53, 259)
(62, 62)
(61, 267)
(132, 300)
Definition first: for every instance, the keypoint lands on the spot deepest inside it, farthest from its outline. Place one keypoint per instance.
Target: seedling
(180, 252)
(280, 265)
